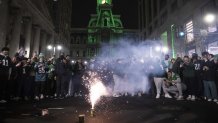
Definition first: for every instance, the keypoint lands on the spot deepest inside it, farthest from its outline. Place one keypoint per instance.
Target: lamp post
(209, 20)
(58, 47)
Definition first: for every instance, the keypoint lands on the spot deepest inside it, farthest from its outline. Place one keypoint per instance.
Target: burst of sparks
(96, 88)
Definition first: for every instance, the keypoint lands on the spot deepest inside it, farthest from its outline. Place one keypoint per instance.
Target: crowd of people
(192, 77)
(38, 77)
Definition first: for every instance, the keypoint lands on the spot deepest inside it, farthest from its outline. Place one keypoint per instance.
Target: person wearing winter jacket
(208, 68)
(40, 77)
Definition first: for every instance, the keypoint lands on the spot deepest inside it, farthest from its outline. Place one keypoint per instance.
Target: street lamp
(209, 18)
(49, 47)
(158, 48)
(58, 47)
(165, 50)
(181, 34)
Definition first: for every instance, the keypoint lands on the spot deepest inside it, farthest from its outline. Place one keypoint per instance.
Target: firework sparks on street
(96, 88)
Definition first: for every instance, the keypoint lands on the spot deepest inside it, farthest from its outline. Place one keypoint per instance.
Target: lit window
(189, 31)
(212, 28)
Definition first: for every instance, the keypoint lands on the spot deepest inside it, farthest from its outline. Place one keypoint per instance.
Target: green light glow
(103, 27)
(173, 40)
(164, 39)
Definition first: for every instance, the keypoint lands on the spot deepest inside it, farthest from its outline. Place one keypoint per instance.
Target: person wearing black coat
(208, 68)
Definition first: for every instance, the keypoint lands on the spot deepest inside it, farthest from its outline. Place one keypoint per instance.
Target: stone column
(28, 34)
(36, 39)
(43, 42)
(3, 21)
(49, 41)
(15, 39)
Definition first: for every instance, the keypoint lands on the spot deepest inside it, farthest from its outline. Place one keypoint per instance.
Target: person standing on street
(5, 71)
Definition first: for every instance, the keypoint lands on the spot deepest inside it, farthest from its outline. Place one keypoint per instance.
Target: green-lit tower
(104, 27)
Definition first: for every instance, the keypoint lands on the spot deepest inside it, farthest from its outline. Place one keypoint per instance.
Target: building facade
(179, 24)
(60, 11)
(80, 46)
(25, 25)
(103, 27)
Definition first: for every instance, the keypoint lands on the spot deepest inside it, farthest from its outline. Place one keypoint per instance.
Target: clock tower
(103, 28)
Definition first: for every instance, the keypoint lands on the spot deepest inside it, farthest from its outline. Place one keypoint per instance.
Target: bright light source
(103, 1)
(165, 50)
(181, 34)
(59, 47)
(85, 62)
(49, 47)
(158, 48)
(142, 61)
(73, 61)
(209, 18)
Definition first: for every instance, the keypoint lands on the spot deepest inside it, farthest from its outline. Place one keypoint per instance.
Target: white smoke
(130, 64)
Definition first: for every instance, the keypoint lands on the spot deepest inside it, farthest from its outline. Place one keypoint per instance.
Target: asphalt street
(111, 110)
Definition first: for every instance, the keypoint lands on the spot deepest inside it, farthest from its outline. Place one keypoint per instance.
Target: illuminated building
(165, 20)
(25, 24)
(103, 27)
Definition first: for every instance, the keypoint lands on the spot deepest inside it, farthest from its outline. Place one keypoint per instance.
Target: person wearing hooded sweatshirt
(40, 77)
(188, 71)
(159, 74)
(172, 84)
(59, 72)
(208, 68)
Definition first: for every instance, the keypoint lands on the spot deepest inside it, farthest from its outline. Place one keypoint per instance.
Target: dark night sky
(83, 8)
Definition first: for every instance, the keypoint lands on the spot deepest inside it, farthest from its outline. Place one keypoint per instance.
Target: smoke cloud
(125, 66)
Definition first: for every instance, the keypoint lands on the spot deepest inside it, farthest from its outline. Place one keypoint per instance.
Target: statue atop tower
(99, 2)
(104, 27)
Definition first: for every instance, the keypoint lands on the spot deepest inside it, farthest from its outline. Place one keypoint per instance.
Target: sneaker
(157, 96)
(41, 96)
(115, 95)
(215, 100)
(209, 100)
(167, 96)
(67, 95)
(36, 98)
(180, 98)
(189, 97)
(17, 98)
(61, 97)
(176, 95)
(75, 95)
(193, 98)
(3, 101)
